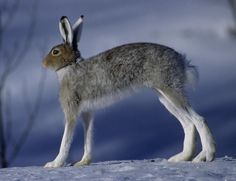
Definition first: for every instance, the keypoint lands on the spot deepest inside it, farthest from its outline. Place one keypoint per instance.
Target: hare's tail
(191, 74)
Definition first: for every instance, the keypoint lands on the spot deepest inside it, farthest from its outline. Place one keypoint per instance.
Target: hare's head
(66, 53)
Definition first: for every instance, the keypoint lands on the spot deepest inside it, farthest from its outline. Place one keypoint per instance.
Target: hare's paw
(182, 156)
(53, 164)
(207, 154)
(82, 162)
(204, 156)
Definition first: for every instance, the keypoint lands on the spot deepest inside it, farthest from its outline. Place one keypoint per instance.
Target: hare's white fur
(61, 73)
(114, 74)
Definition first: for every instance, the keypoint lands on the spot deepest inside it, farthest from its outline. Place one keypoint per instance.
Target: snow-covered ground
(222, 169)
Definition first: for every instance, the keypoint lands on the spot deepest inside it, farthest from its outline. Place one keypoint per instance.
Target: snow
(157, 169)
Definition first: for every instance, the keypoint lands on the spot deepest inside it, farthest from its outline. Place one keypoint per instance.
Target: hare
(87, 84)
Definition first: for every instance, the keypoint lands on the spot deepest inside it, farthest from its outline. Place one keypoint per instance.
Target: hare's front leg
(65, 143)
(88, 132)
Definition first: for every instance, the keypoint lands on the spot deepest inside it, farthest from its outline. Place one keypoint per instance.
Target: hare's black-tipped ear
(66, 30)
(77, 30)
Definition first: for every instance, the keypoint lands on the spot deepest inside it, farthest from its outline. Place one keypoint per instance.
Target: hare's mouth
(45, 64)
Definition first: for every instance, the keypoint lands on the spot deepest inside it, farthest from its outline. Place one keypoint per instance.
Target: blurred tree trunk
(8, 63)
(2, 138)
(232, 4)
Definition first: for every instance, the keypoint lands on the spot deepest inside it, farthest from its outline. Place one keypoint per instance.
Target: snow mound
(156, 169)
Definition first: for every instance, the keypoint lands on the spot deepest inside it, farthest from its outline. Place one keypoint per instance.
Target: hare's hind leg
(186, 115)
(176, 104)
(88, 132)
(208, 143)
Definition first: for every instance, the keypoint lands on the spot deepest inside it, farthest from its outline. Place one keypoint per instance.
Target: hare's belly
(108, 99)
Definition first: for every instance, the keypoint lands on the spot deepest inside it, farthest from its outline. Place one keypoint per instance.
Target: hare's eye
(56, 52)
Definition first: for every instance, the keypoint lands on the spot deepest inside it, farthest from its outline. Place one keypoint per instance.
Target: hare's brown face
(59, 57)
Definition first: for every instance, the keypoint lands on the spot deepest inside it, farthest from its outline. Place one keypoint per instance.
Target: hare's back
(140, 55)
(141, 62)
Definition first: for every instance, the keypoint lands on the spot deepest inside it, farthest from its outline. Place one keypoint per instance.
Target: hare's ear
(77, 29)
(66, 30)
